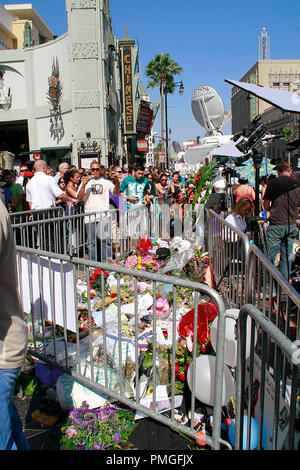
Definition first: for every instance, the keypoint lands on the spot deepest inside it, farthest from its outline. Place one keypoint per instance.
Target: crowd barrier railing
(101, 234)
(51, 292)
(267, 386)
(272, 294)
(228, 250)
(105, 355)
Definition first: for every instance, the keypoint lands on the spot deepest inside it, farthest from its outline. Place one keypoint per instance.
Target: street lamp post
(181, 88)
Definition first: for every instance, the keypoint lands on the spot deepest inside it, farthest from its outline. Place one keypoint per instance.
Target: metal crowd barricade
(272, 294)
(24, 217)
(49, 288)
(133, 225)
(267, 386)
(228, 251)
(94, 235)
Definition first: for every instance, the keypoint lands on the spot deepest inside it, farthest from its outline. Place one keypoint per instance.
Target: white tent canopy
(227, 150)
(285, 100)
(197, 154)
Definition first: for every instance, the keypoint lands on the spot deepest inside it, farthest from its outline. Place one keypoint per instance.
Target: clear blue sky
(210, 40)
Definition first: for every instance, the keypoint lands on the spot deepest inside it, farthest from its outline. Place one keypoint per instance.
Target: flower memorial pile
(131, 295)
(130, 331)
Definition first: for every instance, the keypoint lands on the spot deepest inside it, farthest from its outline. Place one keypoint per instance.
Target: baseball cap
(28, 173)
(284, 165)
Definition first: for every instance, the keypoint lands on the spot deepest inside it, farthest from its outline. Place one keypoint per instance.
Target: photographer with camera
(282, 200)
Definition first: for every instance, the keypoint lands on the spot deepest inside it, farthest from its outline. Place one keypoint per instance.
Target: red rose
(144, 244)
(181, 377)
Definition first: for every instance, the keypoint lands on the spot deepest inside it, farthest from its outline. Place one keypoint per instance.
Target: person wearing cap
(282, 201)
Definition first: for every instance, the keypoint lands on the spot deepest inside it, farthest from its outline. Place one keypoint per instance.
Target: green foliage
(289, 134)
(162, 69)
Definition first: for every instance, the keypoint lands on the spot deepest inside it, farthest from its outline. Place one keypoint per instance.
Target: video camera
(251, 135)
(229, 169)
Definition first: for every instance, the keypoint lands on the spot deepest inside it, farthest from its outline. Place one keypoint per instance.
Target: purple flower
(117, 438)
(97, 447)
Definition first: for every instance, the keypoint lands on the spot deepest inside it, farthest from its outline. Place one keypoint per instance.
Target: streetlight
(181, 89)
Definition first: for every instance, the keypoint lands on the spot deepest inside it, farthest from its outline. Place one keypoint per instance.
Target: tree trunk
(162, 84)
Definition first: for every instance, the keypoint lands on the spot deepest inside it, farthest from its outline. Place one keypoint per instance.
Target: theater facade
(62, 100)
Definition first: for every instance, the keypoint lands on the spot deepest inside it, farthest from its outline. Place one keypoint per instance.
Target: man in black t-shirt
(282, 200)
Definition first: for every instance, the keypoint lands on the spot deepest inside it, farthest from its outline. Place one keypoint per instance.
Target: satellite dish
(176, 146)
(208, 109)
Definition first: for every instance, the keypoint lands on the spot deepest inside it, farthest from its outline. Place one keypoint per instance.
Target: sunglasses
(95, 169)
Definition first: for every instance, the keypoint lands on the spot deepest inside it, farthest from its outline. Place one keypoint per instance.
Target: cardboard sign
(46, 288)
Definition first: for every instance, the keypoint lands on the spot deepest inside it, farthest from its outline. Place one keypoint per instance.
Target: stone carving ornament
(82, 4)
(87, 99)
(85, 50)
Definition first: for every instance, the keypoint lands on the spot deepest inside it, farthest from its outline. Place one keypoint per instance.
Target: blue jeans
(12, 436)
(281, 239)
(101, 230)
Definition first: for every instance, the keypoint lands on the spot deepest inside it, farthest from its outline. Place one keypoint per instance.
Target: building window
(276, 85)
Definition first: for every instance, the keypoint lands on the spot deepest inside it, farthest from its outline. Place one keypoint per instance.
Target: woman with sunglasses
(162, 188)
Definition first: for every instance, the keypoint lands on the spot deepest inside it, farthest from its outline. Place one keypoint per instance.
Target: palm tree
(161, 71)
(289, 134)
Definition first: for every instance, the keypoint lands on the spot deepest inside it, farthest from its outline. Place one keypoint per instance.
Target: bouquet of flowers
(101, 429)
(200, 185)
(196, 267)
(96, 280)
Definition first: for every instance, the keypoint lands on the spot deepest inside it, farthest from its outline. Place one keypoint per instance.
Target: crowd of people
(137, 185)
(80, 190)
(130, 186)
(279, 204)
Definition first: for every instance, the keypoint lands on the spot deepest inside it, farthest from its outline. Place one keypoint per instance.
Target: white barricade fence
(102, 326)
(118, 343)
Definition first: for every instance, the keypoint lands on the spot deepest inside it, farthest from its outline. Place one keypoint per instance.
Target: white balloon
(230, 350)
(205, 367)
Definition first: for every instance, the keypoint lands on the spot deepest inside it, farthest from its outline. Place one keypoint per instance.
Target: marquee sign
(128, 98)
(142, 145)
(145, 118)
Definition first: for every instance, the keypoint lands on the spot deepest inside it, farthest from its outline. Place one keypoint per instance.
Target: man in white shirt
(42, 191)
(41, 194)
(95, 194)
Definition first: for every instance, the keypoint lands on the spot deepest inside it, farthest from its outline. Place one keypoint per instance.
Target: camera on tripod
(251, 135)
(229, 169)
